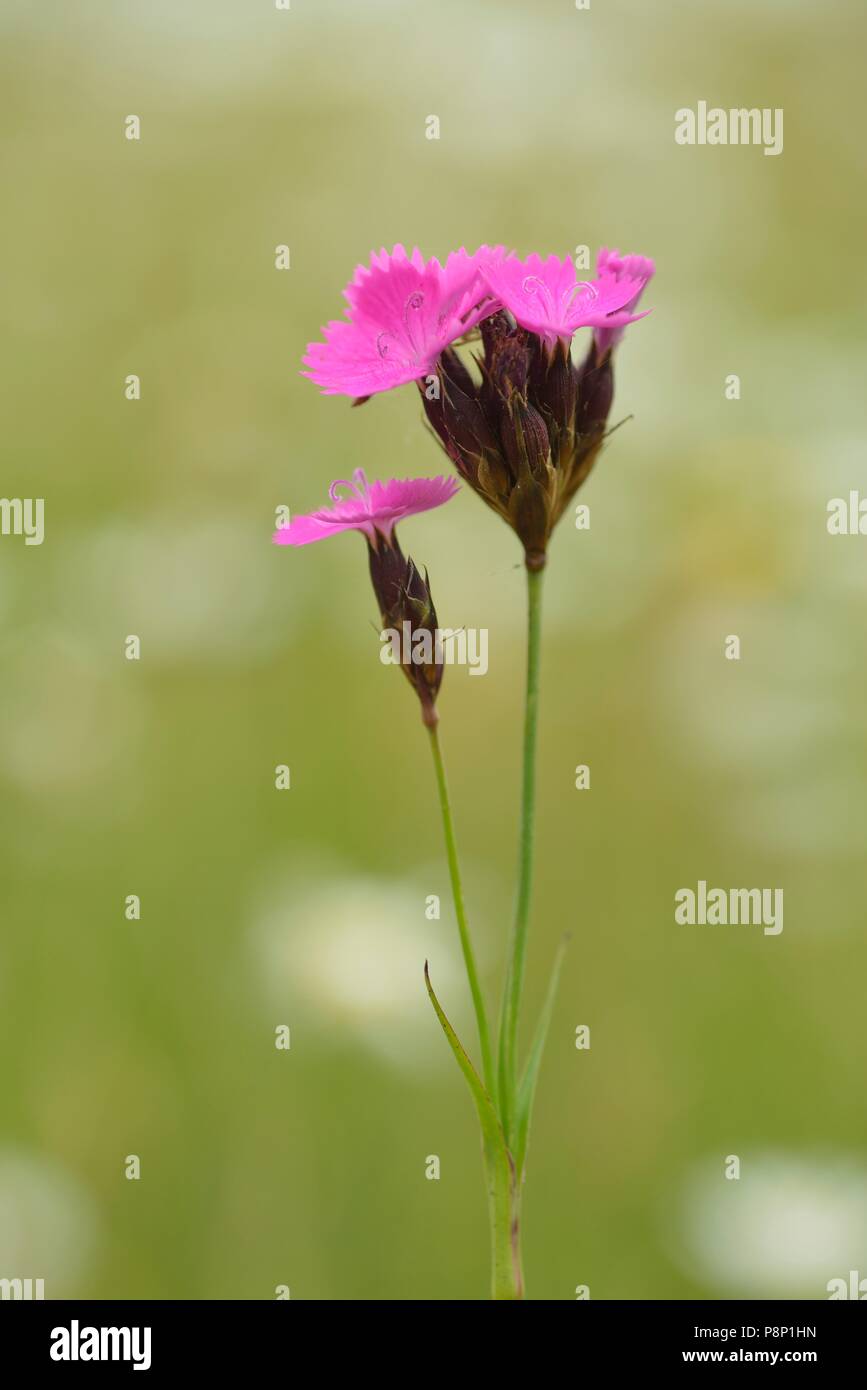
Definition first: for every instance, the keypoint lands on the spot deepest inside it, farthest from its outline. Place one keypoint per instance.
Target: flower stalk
(461, 915)
(511, 1004)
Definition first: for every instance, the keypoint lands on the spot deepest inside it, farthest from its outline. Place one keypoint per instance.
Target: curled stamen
(582, 290)
(382, 344)
(357, 488)
(535, 285)
(414, 330)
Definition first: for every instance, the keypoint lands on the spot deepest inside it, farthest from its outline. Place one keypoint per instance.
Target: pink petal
(402, 313)
(374, 507)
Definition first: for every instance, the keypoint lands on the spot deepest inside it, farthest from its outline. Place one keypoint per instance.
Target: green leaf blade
(527, 1088)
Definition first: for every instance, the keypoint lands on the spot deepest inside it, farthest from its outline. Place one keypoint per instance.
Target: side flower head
(402, 592)
(403, 311)
(527, 434)
(625, 270)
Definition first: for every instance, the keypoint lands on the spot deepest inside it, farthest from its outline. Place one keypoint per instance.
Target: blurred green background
(306, 907)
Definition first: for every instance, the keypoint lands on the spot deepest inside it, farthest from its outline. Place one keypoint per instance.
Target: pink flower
(547, 298)
(403, 312)
(369, 507)
(623, 268)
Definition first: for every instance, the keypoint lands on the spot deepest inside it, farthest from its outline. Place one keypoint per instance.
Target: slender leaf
(500, 1169)
(527, 1088)
(491, 1130)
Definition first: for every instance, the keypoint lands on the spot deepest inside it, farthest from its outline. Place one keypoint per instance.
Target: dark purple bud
(465, 419)
(454, 370)
(457, 416)
(495, 329)
(407, 613)
(554, 388)
(595, 393)
(434, 409)
(525, 441)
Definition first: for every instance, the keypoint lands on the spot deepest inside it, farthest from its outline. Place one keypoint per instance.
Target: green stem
(504, 1208)
(460, 912)
(511, 1005)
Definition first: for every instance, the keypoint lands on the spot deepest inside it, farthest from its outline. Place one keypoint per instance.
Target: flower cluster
(525, 430)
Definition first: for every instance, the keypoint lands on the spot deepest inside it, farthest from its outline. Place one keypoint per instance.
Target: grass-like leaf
(500, 1168)
(527, 1088)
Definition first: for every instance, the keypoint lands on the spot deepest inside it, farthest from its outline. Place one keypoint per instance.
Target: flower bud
(525, 442)
(555, 386)
(596, 391)
(406, 608)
